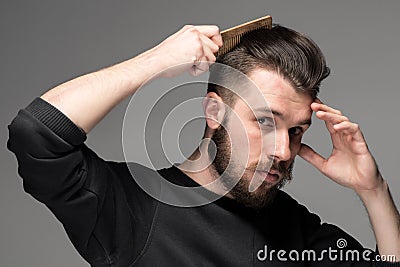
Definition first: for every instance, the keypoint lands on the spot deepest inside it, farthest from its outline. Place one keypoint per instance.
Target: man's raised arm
(352, 165)
(87, 99)
(84, 192)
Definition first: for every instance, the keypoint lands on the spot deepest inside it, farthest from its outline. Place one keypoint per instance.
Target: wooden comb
(232, 36)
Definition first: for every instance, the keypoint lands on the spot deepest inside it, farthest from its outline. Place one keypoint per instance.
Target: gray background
(44, 43)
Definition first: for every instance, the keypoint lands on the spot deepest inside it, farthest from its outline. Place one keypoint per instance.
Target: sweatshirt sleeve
(340, 248)
(85, 193)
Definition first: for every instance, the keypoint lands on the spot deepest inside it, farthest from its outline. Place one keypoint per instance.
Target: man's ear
(214, 110)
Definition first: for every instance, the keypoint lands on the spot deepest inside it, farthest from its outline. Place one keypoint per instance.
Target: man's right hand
(191, 49)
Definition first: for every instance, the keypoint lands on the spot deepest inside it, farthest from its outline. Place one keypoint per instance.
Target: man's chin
(259, 198)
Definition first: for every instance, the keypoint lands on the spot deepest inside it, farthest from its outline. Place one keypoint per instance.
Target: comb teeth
(232, 36)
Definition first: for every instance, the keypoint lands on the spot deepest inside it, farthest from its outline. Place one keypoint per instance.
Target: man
(113, 222)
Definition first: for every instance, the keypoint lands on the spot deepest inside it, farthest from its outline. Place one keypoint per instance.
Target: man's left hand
(350, 163)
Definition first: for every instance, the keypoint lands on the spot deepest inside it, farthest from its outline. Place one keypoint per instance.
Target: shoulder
(284, 199)
(285, 206)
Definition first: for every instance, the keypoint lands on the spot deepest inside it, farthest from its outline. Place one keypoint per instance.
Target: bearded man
(250, 143)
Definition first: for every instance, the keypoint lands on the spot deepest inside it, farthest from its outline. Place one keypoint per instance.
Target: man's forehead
(271, 84)
(264, 82)
(279, 106)
(279, 101)
(272, 95)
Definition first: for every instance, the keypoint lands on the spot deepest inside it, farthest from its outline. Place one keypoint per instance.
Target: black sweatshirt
(111, 221)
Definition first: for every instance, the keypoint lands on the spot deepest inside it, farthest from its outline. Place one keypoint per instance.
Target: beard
(229, 170)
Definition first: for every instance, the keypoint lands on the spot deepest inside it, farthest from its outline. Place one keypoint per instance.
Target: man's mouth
(271, 176)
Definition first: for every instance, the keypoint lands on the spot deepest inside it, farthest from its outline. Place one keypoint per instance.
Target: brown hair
(290, 54)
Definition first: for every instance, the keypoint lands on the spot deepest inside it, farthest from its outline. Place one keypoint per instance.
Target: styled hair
(290, 54)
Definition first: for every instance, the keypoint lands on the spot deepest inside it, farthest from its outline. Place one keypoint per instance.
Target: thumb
(312, 157)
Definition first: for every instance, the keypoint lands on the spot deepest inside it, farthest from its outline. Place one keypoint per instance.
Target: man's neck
(199, 168)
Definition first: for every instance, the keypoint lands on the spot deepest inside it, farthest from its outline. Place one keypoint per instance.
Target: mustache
(274, 166)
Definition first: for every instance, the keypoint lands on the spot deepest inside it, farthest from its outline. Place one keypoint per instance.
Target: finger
(210, 44)
(207, 58)
(331, 130)
(317, 100)
(350, 128)
(315, 106)
(331, 117)
(330, 120)
(208, 55)
(212, 32)
(204, 63)
(312, 157)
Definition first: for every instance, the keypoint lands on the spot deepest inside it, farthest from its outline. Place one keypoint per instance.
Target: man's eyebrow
(305, 122)
(279, 114)
(267, 110)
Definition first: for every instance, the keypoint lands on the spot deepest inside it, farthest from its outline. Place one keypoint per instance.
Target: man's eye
(296, 131)
(266, 121)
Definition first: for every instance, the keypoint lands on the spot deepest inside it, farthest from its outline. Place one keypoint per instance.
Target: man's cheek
(257, 142)
(295, 146)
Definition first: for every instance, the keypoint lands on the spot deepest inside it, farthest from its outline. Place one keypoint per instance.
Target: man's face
(265, 156)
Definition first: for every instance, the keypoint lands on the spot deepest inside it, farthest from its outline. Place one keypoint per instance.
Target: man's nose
(282, 146)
